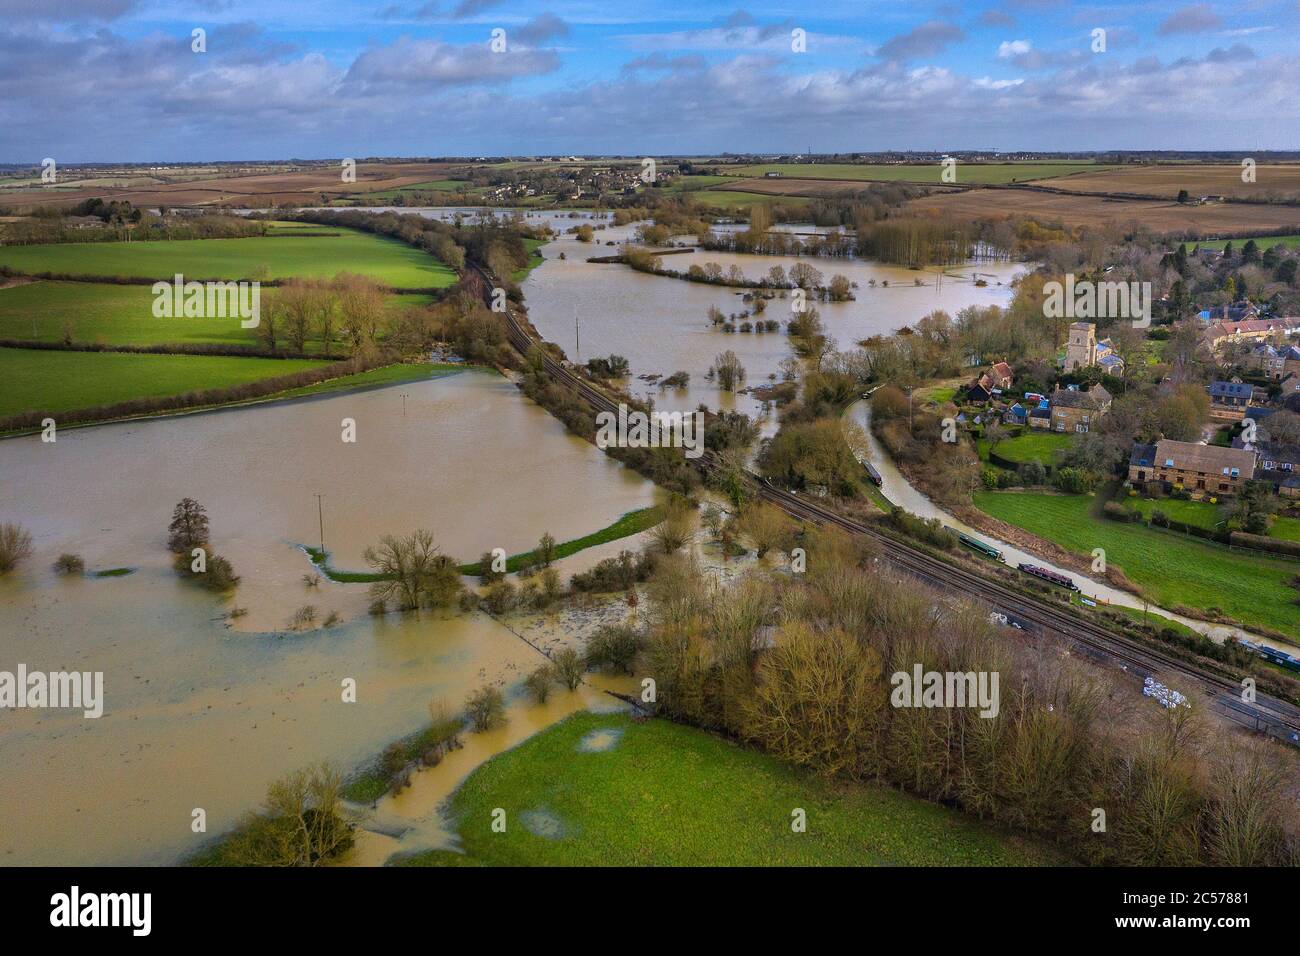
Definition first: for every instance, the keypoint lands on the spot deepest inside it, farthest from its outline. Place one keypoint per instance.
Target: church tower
(1081, 350)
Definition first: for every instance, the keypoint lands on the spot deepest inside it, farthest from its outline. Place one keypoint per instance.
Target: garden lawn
(284, 255)
(1202, 514)
(1172, 569)
(47, 381)
(668, 795)
(1198, 514)
(1030, 446)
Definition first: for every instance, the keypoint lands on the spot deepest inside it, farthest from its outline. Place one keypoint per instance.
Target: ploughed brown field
(302, 186)
(806, 187)
(1214, 219)
(1271, 182)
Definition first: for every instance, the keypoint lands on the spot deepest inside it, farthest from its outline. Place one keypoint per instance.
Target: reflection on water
(202, 716)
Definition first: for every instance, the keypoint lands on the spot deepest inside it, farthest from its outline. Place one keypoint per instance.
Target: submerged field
(1174, 570)
(605, 790)
(280, 256)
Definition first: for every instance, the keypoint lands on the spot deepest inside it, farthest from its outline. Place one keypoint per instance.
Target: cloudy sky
(105, 80)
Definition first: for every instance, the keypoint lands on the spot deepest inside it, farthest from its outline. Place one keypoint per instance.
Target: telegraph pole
(320, 515)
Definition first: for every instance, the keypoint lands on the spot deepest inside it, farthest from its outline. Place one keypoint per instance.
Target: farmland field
(728, 199)
(971, 173)
(386, 260)
(605, 790)
(1264, 242)
(62, 381)
(1275, 182)
(1082, 210)
(110, 314)
(1173, 569)
(254, 186)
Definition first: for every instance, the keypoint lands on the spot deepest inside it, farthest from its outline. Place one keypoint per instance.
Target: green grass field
(1173, 569)
(62, 381)
(1264, 242)
(433, 186)
(103, 312)
(1029, 446)
(668, 795)
(1202, 514)
(729, 199)
(393, 263)
(110, 314)
(978, 173)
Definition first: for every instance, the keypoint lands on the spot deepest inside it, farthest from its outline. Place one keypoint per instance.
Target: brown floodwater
(660, 324)
(202, 715)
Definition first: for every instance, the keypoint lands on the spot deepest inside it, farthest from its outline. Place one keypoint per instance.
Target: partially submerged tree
(188, 528)
(414, 573)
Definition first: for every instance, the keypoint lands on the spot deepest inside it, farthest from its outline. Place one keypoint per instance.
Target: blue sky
(84, 80)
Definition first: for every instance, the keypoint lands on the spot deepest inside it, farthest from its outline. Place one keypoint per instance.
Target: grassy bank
(1174, 570)
(663, 794)
(634, 522)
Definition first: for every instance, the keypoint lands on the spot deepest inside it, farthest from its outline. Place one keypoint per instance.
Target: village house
(1229, 400)
(989, 384)
(1074, 410)
(1220, 335)
(1203, 470)
(1274, 362)
(1277, 460)
(1237, 312)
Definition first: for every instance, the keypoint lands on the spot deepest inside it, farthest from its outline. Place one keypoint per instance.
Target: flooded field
(200, 715)
(661, 326)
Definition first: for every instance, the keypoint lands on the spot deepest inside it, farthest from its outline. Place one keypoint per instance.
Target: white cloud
(1012, 48)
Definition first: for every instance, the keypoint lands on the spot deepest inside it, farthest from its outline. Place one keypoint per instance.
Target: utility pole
(320, 514)
(577, 345)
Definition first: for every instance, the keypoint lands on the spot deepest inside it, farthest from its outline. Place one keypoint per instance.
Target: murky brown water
(660, 324)
(201, 715)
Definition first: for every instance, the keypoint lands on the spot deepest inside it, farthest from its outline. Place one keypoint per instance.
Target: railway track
(1274, 717)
